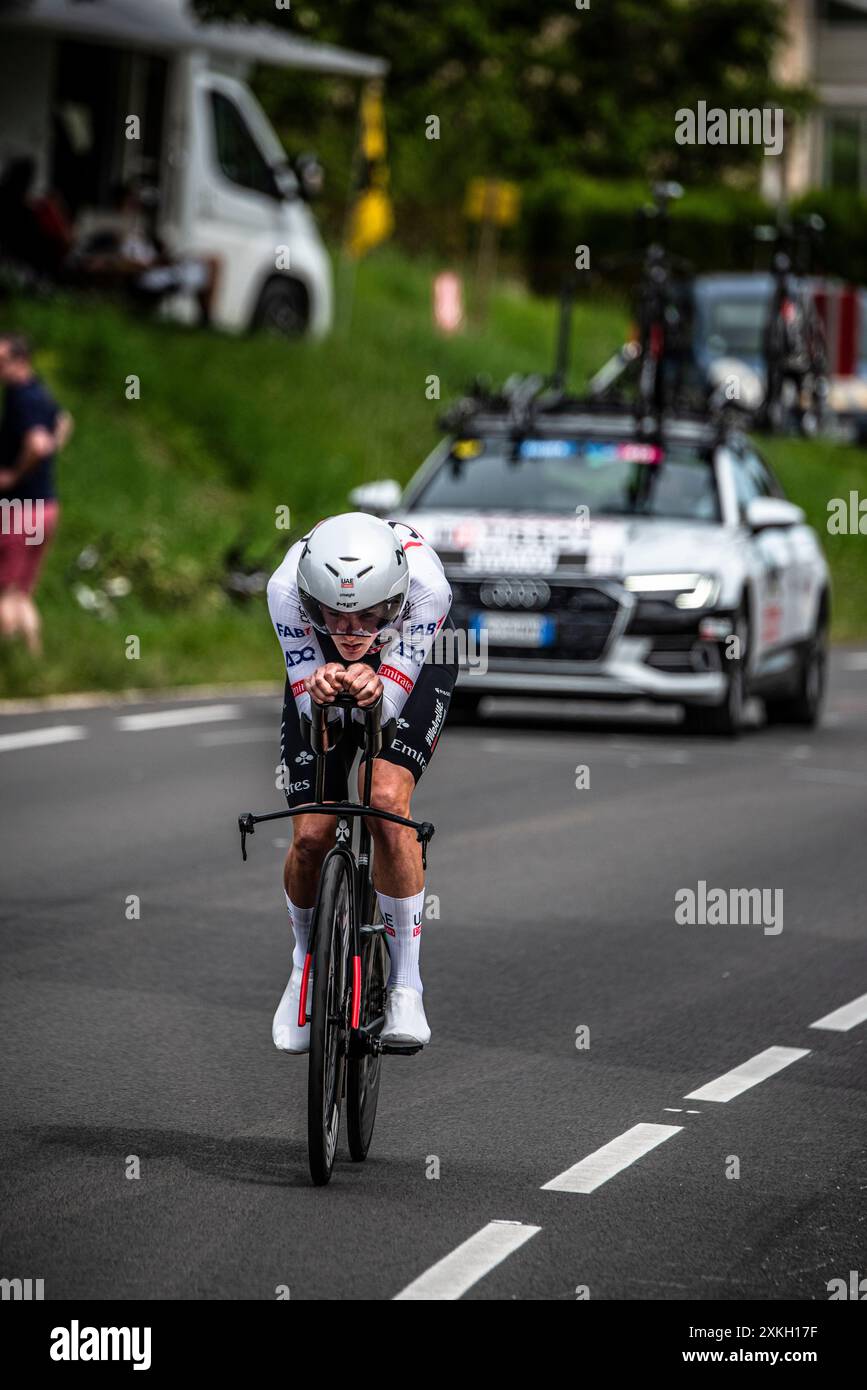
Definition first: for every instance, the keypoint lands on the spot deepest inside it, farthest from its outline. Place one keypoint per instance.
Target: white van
(71, 76)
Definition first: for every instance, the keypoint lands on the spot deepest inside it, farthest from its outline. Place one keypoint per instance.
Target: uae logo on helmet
(347, 583)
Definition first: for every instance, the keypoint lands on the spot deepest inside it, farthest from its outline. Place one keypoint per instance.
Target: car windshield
(735, 327)
(609, 479)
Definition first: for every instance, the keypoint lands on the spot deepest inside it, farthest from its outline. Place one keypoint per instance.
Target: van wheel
(282, 308)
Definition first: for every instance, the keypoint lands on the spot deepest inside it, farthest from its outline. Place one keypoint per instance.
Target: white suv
(606, 563)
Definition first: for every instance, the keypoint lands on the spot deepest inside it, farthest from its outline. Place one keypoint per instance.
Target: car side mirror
(310, 175)
(379, 498)
(763, 513)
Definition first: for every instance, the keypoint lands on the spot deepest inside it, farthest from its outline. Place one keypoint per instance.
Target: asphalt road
(153, 1140)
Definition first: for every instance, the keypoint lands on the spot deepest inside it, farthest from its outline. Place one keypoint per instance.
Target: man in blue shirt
(32, 429)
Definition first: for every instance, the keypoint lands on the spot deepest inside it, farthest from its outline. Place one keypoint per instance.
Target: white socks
(300, 917)
(402, 918)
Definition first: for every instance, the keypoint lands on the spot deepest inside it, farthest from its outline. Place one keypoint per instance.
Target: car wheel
(282, 309)
(805, 706)
(726, 719)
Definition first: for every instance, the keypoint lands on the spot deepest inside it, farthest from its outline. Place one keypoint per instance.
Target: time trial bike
(347, 953)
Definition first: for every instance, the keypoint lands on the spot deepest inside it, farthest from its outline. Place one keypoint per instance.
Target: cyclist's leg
(312, 837)
(397, 861)
(397, 868)
(398, 872)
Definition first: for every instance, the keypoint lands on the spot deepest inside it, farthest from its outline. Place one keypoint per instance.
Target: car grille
(585, 616)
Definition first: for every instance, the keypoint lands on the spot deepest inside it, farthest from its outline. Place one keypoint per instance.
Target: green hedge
(711, 228)
(843, 249)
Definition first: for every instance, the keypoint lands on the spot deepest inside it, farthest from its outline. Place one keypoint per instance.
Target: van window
(238, 155)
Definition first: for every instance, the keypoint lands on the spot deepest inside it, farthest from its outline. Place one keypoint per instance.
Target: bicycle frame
(361, 882)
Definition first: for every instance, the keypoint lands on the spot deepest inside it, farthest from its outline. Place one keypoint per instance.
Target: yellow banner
(371, 219)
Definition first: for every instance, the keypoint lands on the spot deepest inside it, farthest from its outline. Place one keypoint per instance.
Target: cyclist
(356, 605)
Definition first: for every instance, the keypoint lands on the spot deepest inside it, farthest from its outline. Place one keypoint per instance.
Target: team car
(592, 554)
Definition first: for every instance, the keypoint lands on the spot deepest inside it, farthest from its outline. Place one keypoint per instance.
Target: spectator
(34, 231)
(32, 429)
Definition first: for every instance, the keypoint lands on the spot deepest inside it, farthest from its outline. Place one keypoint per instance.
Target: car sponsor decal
(772, 621)
(547, 448)
(598, 454)
(467, 448)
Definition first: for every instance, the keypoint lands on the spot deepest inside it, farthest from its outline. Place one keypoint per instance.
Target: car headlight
(684, 590)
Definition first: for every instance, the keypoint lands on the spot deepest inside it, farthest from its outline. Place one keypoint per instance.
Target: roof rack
(523, 402)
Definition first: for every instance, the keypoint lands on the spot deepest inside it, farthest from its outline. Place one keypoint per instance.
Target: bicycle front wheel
(331, 1015)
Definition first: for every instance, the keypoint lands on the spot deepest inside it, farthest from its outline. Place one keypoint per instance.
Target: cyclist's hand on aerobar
(362, 682)
(325, 683)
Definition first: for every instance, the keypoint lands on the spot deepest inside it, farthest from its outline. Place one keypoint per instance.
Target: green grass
(229, 430)
(813, 473)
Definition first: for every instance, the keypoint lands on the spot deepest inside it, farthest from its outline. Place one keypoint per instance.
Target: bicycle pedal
(401, 1049)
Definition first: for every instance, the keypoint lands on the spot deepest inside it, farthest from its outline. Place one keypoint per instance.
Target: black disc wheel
(364, 1069)
(329, 1025)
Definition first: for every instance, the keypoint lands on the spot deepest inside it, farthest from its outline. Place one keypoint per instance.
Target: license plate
(516, 629)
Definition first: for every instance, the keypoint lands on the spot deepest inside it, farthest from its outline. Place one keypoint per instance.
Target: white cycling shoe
(288, 1037)
(404, 1017)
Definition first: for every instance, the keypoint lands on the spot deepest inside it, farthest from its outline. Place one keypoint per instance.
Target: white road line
(165, 719)
(855, 661)
(611, 1159)
(34, 738)
(451, 1276)
(835, 777)
(748, 1074)
(844, 1018)
(225, 736)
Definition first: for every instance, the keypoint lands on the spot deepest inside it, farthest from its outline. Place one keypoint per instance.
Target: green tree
(520, 89)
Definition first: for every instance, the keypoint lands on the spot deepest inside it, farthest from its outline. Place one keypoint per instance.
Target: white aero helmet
(353, 564)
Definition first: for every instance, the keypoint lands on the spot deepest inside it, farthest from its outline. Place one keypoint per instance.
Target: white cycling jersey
(427, 606)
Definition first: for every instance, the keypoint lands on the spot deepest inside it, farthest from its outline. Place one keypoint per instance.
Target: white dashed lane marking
(833, 776)
(36, 738)
(218, 737)
(169, 718)
(451, 1276)
(748, 1074)
(844, 1018)
(611, 1159)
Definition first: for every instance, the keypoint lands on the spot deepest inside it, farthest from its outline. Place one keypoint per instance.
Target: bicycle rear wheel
(329, 1025)
(364, 1071)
